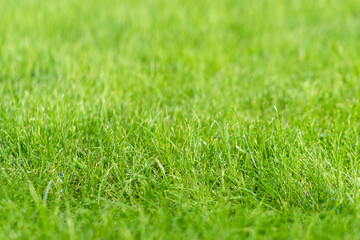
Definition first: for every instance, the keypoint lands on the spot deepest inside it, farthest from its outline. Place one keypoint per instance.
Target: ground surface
(179, 119)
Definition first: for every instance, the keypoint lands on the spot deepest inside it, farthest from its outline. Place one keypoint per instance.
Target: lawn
(169, 119)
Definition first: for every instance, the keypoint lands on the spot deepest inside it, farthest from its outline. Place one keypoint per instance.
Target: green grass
(178, 119)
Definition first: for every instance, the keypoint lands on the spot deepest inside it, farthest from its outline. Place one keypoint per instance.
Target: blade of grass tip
(34, 195)
(161, 167)
(249, 151)
(47, 192)
(275, 108)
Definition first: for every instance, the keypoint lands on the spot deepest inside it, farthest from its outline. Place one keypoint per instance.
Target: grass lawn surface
(157, 119)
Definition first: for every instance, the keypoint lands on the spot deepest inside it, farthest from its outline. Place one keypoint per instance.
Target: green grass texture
(179, 119)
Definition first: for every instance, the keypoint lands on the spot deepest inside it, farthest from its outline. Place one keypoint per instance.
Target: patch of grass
(179, 119)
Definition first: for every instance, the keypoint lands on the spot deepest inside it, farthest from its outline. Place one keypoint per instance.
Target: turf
(179, 119)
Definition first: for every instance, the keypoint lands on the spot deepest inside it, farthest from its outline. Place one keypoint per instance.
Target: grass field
(175, 119)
